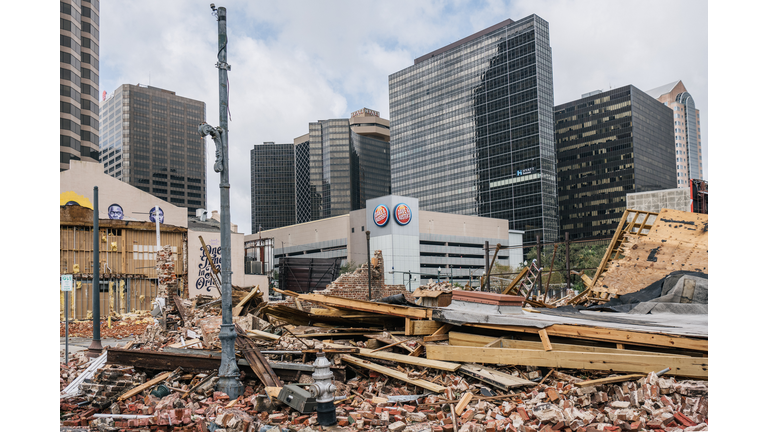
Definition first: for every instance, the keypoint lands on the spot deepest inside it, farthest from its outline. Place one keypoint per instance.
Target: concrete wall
(654, 201)
(76, 184)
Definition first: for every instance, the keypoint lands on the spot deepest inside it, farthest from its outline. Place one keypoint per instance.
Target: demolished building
(627, 355)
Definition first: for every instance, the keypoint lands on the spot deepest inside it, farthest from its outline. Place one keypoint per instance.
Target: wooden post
(567, 261)
(538, 260)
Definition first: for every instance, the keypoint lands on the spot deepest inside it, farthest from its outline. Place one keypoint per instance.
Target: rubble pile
(125, 326)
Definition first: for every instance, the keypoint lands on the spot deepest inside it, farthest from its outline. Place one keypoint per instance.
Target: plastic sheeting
(680, 292)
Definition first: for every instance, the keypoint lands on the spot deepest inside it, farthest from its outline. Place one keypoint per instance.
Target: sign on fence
(66, 282)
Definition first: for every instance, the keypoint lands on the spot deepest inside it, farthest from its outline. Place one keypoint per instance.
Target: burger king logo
(380, 215)
(402, 214)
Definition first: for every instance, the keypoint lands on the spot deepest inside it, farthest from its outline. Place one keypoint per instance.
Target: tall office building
(273, 186)
(150, 140)
(472, 128)
(610, 144)
(336, 167)
(79, 81)
(687, 124)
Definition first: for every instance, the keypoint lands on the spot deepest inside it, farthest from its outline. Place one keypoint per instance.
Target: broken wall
(677, 241)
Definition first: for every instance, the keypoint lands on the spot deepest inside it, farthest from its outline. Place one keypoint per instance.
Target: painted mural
(159, 212)
(70, 198)
(115, 211)
(204, 280)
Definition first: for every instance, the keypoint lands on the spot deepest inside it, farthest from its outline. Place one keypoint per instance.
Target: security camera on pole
(229, 375)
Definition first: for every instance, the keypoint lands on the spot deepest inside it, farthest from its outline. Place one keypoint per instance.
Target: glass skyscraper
(472, 128)
(273, 204)
(149, 139)
(610, 144)
(327, 172)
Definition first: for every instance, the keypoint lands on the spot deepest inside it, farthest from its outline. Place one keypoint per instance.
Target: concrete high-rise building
(79, 82)
(472, 128)
(610, 144)
(687, 125)
(150, 140)
(335, 167)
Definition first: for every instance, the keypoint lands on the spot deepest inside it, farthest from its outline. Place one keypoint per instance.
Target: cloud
(302, 61)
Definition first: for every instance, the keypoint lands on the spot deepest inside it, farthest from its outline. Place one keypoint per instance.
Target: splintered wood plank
(696, 367)
(610, 380)
(140, 388)
(545, 340)
(463, 402)
(493, 377)
(366, 306)
(407, 359)
(436, 338)
(237, 309)
(393, 373)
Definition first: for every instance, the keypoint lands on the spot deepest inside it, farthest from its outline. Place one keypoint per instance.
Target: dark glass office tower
(273, 186)
(150, 140)
(610, 144)
(327, 172)
(472, 128)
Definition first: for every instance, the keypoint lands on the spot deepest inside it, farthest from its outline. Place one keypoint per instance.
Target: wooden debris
(393, 373)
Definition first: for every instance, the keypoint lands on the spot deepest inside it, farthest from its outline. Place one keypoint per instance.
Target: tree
(583, 256)
(348, 267)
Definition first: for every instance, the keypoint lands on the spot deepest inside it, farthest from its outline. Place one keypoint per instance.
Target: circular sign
(380, 215)
(402, 214)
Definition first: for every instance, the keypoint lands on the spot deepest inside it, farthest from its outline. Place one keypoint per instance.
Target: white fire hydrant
(323, 391)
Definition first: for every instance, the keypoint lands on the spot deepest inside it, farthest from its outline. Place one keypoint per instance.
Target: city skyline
(288, 67)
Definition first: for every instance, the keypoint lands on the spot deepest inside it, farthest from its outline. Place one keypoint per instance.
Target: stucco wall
(76, 184)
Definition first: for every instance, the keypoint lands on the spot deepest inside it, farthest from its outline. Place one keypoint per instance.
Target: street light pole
(229, 374)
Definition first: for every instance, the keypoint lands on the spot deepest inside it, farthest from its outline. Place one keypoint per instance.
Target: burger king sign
(380, 215)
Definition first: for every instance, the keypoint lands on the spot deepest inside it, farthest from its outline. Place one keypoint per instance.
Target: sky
(297, 62)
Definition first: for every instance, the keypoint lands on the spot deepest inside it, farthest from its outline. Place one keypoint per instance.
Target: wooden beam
(466, 339)
(516, 280)
(610, 380)
(545, 340)
(436, 338)
(495, 342)
(421, 327)
(366, 306)
(494, 377)
(388, 346)
(263, 334)
(609, 335)
(393, 373)
(417, 351)
(407, 359)
(696, 367)
(140, 388)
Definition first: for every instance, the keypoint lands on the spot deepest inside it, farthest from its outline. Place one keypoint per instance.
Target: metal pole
(487, 268)
(66, 327)
(538, 258)
(157, 227)
(94, 350)
(568, 261)
(368, 248)
(229, 374)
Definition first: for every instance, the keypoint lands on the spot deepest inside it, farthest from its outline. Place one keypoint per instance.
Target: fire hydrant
(323, 391)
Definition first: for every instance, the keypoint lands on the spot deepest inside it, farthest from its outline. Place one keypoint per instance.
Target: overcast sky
(301, 61)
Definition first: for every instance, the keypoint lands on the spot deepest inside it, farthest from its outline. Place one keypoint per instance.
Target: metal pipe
(368, 248)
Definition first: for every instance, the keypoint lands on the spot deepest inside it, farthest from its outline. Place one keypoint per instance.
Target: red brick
(682, 418)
